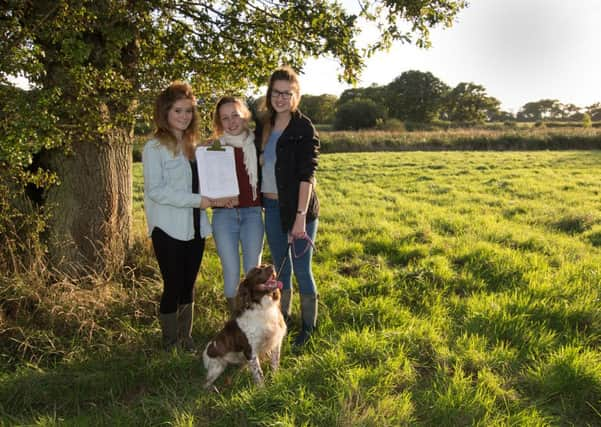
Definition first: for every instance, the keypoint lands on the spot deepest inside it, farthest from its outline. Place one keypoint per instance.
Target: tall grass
(492, 137)
(512, 138)
(456, 288)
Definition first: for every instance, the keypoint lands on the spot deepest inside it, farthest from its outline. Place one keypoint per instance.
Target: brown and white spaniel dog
(257, 328)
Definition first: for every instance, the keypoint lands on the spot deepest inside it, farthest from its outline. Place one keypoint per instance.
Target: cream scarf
(245, 141)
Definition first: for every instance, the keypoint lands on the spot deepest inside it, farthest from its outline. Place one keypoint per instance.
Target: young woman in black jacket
(290, 149)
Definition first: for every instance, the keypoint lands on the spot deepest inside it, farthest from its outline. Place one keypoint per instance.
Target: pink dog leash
(291, 248)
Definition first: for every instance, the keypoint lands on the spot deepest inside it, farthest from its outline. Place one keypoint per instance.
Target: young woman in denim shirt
(175, 212)
(290, 148)
(239, 225)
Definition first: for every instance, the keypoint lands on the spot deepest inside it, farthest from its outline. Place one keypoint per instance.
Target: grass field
(456, 289)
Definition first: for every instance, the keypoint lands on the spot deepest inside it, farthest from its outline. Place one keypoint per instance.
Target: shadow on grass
(121, 380)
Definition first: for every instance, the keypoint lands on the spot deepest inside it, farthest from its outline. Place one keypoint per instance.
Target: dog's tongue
(274, 284)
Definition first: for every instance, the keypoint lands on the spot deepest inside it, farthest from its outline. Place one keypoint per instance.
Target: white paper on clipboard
(217, 172)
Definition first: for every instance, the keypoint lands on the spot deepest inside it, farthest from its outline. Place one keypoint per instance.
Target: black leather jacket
(297, 155)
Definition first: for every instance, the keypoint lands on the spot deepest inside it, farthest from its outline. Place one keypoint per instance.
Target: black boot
(309, 319)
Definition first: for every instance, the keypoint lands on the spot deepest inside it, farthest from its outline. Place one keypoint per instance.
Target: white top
(168, 196)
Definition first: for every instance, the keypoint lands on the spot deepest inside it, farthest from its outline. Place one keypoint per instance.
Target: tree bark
(89, 229)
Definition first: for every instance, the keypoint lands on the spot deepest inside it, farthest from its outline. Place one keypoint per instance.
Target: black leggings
(179, 262)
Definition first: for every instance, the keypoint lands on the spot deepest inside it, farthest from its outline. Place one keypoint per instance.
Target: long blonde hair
(285, 73)
(174, 92)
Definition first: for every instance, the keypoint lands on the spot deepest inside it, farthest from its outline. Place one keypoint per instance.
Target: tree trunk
(89, 230)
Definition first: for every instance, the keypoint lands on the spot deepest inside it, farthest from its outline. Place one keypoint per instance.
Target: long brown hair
(244, 111)
(285, 73)
(174, 92)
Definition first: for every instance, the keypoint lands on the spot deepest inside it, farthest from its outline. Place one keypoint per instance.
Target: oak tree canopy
(94, 65)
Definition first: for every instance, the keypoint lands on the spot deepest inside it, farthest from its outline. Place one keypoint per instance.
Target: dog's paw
(211, 388)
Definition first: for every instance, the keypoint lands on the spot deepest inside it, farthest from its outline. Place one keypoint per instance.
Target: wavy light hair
(176, 91)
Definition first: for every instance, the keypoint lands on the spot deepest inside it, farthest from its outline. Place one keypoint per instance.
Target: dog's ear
(243, 295)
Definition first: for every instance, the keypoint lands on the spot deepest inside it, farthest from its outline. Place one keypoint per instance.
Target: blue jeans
(230, 228)
(278, 246)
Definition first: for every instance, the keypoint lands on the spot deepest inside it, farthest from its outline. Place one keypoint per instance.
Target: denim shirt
(168, 197)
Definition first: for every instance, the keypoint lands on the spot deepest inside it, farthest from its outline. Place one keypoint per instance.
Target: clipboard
(216, 146)
(216, 166)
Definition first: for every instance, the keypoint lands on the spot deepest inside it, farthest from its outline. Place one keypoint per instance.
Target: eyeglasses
(284, 95)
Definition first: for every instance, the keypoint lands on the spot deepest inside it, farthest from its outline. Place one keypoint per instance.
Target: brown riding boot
(185, 319)
(231, 305)
(285, 303)
(169, 330)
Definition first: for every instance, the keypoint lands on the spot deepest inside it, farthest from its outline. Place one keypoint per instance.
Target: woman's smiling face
(231, 119)
(180, 115)
(283, 96)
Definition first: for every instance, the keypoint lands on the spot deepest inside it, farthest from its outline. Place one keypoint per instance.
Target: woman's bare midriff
(272, 196)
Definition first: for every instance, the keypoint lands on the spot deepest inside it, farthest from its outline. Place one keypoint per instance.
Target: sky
(520, 51)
